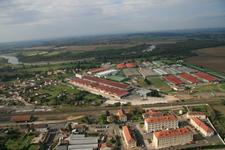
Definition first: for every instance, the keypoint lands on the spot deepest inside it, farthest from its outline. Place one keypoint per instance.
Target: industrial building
(172, 137)
(106, 73)
(80, 142)
(160, 123)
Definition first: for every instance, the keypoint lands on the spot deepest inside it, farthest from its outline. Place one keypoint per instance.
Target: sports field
(159, 83)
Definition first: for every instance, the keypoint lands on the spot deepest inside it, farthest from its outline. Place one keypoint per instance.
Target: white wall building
(202, 127)
(173, 137)
(160, 123)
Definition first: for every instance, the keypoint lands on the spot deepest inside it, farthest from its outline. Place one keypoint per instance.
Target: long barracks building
(102, 86)
(161, 123)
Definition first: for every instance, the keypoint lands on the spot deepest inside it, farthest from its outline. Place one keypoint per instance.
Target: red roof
(21, 118)
(96, 85)
(106, 82)
(121, 113)
(173, 79)
(206, 76)
(196, 113)
(153, 113)
(172, 133)
(131, 65)
(96, 70)
(202, 125)
(189, 77)
(121, 66)
(127, 134)
(161, 119)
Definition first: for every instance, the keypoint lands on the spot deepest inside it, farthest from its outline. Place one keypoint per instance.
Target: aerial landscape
(112, 75)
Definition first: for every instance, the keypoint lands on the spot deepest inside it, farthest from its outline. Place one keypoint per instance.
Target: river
(11, 59)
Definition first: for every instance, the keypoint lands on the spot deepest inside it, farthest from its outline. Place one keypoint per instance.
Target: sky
(42, 19)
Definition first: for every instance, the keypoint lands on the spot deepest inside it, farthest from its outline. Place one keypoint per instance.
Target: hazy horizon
(23, 20)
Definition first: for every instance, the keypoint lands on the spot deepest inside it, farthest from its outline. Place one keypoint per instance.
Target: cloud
(24, 19)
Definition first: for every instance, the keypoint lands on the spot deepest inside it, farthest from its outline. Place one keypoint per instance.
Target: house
(127, 135)
(122, 115)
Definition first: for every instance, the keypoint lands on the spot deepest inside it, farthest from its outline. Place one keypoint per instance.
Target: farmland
(213, 58)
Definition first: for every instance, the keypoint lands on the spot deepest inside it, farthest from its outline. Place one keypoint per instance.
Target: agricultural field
(213, 58)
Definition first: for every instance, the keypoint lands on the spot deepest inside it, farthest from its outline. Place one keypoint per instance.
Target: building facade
(173, 137)
(129, 140)
(161, 123)
(202, 127)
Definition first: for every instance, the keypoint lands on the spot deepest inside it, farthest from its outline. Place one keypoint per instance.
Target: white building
(202, 127)
(106, 73)
(200, 115)
(172, 137)
(160, 123)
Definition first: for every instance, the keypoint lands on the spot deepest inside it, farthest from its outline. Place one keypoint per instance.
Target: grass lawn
(69, 95)
(209, 88)
(159, 83)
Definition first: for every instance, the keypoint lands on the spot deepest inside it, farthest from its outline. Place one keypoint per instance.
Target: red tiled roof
(196, 113)
(206, 76)
(121, 66)
(202, 125)
(98, 86)
(127, 134)
(107, 82)
(96, 70)
(172, 132)
(153, 113)
(21, 118)
(173, 79)
(121, 113)
(131, 65)
(189, 77)
(161, 119)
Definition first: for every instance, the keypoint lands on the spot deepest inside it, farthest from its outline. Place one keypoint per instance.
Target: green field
(64, 94)
(117, 78)
(159, 83)
(209, 88)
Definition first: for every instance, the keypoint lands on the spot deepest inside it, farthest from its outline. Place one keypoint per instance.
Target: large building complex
(127, 135)
(102, 86)
(202, 127)
(172, 137)
(160, 123)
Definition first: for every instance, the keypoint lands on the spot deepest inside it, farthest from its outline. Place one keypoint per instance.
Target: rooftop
(161, 119)
(202, 125)
(21, 118)
(172, 132)
(127, 134)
